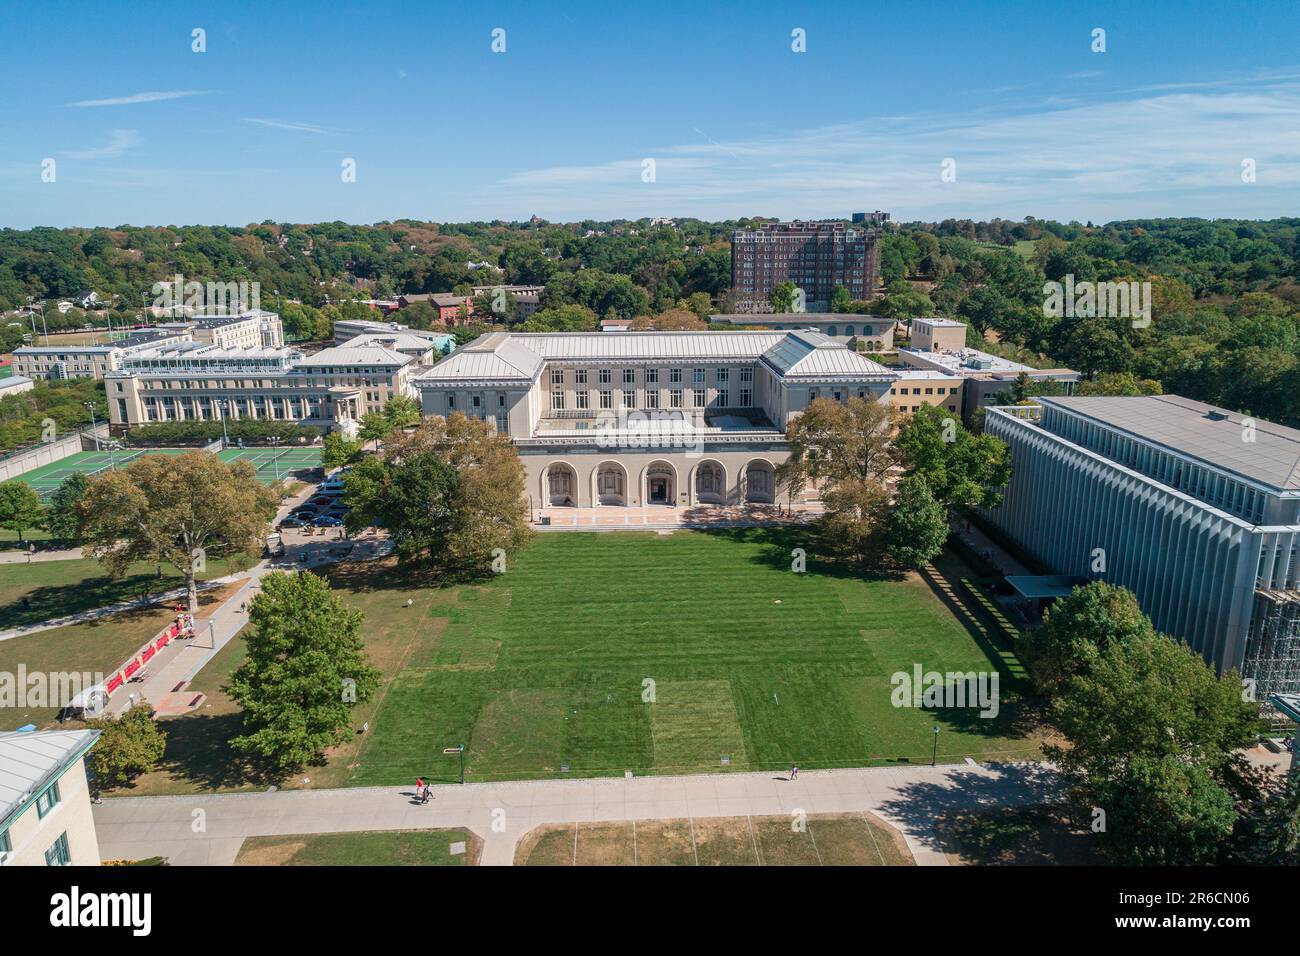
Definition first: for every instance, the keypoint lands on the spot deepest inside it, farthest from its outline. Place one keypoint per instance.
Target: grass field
(363, 848)
(856, 839)
(545, 667)
(91, 648)
(271, 463)
(54, 589)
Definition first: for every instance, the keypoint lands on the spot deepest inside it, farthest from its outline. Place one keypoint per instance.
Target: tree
(782, 297)
(841, 300)
(568, 317)
(128, 746)
(918, 525)
(448, 492)
(1118, 383)
(338, 450)
(402, 411)
(1153, 737)
(1078, 628)
(963, 470)
(61, 518)
(305, 669)
(374, 426)
(20, 507)
(184, 510)
(672, 320)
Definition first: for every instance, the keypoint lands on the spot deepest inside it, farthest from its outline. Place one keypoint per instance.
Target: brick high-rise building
(815, 256)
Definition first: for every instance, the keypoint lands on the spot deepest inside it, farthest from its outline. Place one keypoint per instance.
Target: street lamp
(94, 430)
(225, 437)
(934, 758)
(275, 458)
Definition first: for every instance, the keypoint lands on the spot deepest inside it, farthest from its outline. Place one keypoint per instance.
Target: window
(476, 401)
(746, 375)
(47, 800)
(580, 399)
(652, 376)
(557, 376)
(57, 854)
(580, 377)
(746, 397)
(557, 401)
(652, 399)
(697, 376)
(724, 376)
(629, 376)
(674, 376)
(675, 398)
(503, 424)
(697, 397)
(501, 401)
(606, 398)
(724, 397)
(6, 844)
(605, 375)
(629, 398)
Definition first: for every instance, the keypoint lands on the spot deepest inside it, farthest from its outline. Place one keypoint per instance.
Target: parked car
(293, 521)
(304, 515)
(321, 501)
(328, 521)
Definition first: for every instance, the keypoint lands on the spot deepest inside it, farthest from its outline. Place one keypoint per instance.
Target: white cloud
(119, 141)
(284, 124)
(153, 97)
(1103, 157)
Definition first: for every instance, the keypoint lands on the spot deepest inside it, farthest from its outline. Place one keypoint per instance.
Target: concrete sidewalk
(21, 557)
(209, 829)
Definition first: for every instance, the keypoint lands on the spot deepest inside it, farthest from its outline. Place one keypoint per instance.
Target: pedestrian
(794, 773)
(419, 785)
(428, 792)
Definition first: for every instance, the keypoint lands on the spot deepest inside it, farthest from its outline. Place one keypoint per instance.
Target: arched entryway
(560, 485)
(659, 484)
(760, 482)
(609, 484)
(711, 483)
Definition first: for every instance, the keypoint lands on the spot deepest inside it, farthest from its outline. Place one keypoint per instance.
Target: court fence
(44, 453)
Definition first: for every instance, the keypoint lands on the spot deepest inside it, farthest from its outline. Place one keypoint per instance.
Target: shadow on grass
(389, 574)
(199, 753)
(1016, 836)
(822, 554)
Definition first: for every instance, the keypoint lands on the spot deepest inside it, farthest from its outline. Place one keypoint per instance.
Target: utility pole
(90, 407)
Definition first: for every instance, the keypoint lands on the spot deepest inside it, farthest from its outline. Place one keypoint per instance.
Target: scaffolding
(1273, 646)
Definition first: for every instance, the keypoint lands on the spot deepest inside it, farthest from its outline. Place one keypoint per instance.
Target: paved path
(910, 798)
(21, 557)
(162, 597)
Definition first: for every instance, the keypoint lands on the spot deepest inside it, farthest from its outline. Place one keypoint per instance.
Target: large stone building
(330, 389)
(648, 418)
(45, 815)
(815, 256)
(1193, 508)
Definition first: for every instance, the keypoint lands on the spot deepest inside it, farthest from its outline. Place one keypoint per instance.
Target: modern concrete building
(815, 256)
(45, 816)
(1193, 508)
(648, 418)
(876, 333)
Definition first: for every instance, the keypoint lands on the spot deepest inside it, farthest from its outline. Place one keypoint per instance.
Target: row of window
(940, 390)
(676, 397)
(605, 376)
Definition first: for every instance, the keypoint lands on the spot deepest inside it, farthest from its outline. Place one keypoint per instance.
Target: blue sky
(143, 130)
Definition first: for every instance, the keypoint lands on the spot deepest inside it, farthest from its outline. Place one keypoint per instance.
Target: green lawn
(91, 648)
(545, 666)
(55, 589)
(364, 848)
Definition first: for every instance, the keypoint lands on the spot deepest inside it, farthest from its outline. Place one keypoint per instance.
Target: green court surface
(271, 463)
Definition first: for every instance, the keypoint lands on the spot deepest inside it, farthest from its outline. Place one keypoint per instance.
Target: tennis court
(271, 463)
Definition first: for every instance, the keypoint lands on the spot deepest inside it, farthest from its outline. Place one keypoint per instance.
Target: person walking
(419, 787)
(794, 773)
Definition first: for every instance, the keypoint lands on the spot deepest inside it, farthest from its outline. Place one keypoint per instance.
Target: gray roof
(794, 318)
(1205, 432)
(649, 346)
(497, 356)
(31, 759)
(812, 355)
(356, 355)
